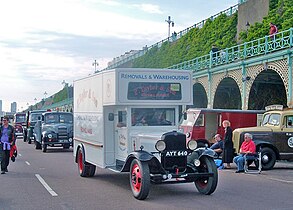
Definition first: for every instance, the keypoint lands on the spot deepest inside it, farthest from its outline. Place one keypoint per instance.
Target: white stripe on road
(27, 163)
(281, 180)
(47, 187)
(19, 154)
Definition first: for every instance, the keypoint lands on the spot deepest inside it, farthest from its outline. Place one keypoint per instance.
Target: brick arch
(280, 67)
(217, 79)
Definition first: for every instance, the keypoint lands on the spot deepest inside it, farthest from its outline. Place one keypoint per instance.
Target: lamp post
(170, 22)
(95, 64)
(45, 94)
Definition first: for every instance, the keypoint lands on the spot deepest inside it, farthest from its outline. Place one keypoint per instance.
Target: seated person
(247, 147)
(218, 146)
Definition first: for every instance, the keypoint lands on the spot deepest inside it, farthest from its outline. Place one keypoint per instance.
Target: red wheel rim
(136, 177)
(202, 183)
(80, 165)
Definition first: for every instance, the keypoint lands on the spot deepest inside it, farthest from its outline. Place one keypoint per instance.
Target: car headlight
(192, 145)
(160, 145)
(187, 134)
(50, 135)
(70, 139)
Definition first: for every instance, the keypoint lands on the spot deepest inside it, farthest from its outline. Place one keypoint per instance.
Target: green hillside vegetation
(61, 95)
(221, 32)
(197, 42)
(280, 14)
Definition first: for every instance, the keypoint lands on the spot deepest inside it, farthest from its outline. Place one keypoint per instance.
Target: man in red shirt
(247, 147)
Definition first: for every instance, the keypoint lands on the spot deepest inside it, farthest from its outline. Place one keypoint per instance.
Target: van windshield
(271, 119)
(152, 116)
(58, 118)
(20, 118)
(34, 116)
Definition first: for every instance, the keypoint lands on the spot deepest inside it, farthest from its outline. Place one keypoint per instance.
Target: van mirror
(111, 117)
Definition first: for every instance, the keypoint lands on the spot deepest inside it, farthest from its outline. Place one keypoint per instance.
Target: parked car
(274, 138)
(54, 129)
(19, 123)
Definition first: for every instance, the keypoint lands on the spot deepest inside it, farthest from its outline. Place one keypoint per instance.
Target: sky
(46, 42)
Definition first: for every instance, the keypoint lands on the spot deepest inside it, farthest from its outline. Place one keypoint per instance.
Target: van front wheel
(139, 179)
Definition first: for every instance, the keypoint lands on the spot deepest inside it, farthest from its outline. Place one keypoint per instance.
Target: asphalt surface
(38, 180)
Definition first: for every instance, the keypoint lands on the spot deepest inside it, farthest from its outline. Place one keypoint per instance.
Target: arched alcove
(267, 89)
(200, 99)
(227, 95)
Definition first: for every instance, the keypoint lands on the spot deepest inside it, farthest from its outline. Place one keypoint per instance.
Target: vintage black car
(54, 129)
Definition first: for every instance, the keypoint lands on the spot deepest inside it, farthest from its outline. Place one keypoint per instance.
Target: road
(38, 180)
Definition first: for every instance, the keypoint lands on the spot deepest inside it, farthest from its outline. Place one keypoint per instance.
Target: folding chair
(252, 158)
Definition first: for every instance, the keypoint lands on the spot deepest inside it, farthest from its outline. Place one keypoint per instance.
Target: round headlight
(50, 136)
(70, 139)
(160, 145)
(192, 144)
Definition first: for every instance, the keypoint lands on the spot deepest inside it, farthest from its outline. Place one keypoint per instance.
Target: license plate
(176, 153)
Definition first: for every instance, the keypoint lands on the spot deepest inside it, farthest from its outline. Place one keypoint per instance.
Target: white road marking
(281, 180)
(47, 187)
(20, 155)
(27, 163)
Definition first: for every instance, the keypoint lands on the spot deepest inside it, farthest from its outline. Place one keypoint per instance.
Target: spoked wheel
(139, 179)
(207, 185)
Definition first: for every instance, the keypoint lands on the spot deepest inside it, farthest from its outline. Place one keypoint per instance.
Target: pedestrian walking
(7, 136)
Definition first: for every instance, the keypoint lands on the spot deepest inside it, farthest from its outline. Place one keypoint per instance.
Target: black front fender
(143, 156)
(198, 153)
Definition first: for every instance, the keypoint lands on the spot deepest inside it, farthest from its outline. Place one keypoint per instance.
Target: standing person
(7, 139)
(214, 51)
(273, 31)
(247, 147)
(228, 144)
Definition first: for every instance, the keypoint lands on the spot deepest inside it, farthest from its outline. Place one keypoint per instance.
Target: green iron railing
(230, 11)
(258, 47)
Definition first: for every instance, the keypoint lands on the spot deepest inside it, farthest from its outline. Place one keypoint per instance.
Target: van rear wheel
(85, 169)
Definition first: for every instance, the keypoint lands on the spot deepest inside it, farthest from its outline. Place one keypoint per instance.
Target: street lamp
(95, 64)
(45, 94)
(170, 22)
